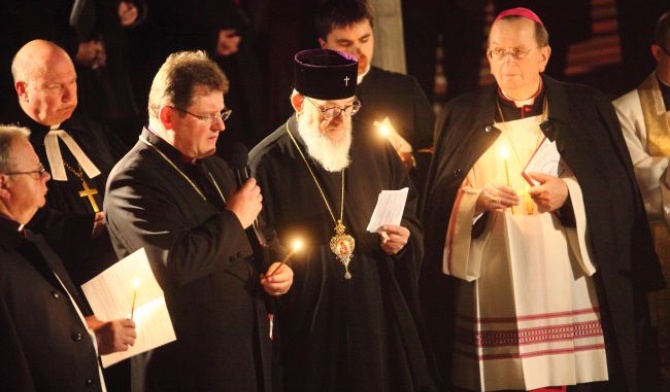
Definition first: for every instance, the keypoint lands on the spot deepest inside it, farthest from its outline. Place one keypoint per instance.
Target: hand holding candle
(297, 245)
(401, 146)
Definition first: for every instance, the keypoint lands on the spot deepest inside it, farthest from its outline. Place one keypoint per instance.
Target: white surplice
(528, 315)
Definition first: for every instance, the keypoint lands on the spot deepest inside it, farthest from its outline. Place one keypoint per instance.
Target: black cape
(587, 133)
(337, 334)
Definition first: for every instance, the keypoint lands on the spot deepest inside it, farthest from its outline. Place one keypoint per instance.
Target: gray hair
(9, 134)
(179, 76)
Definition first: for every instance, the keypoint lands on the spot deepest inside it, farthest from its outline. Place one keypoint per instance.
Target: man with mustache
(350, 322)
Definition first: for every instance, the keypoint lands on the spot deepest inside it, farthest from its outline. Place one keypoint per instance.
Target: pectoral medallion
(342, 245)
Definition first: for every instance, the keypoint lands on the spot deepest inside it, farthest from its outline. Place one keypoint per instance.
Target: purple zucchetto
(519, 11)
(325, 74)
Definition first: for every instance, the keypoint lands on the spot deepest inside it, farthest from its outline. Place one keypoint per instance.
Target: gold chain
(79, 174)
(193, 185)
(316, 181)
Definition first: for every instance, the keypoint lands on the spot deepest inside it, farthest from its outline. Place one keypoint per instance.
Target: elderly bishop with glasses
(538, 253)
(350, 321)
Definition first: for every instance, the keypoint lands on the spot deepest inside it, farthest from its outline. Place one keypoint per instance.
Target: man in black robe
(72, 222)
(45, 82)
(584, 126)
(173, 197)
(47, 344)
(350, 322)
(347, 26)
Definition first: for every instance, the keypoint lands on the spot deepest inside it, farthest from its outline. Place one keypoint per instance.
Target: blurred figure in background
(644, 114)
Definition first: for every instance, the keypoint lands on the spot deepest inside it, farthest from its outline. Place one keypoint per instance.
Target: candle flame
(297, 245)
(384, 126)
(384, 130)
(136, 283)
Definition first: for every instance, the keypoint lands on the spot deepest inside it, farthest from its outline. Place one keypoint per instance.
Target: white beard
(332, 156)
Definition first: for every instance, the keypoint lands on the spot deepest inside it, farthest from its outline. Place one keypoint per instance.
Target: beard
(333, 156)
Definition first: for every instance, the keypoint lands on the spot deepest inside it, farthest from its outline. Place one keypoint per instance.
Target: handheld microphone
(238, 159)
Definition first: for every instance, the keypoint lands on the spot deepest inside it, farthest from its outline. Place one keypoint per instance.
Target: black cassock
(68, 229)
(201, 257)
(338, 334)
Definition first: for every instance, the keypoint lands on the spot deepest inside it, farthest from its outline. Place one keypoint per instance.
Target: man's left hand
(98, 223)
(393, 238)
(551, 194)
(278, 279)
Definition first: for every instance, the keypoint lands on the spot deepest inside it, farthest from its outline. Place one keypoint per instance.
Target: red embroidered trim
(486, 320)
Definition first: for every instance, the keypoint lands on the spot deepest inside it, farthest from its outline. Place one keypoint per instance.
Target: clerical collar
(37, 130)
(189, 172)
(665, 92)
(512, 112)
(11, 236)
(166, 148)
(360, 77)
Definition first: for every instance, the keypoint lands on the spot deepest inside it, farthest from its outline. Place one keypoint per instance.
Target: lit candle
(383, 128)
(297, 245)
(387, 131)
(136, 284)
(504, 154)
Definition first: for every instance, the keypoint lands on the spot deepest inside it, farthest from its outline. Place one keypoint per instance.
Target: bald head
(45, 82)
(35, 57)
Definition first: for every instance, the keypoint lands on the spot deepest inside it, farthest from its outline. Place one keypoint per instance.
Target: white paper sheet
(389, 209)
(111, 293)
(546, 160)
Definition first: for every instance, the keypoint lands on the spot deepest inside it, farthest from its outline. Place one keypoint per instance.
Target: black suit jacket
(44, 344)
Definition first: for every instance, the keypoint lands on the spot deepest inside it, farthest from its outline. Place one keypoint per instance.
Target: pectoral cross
(89, 193)
(346, 80)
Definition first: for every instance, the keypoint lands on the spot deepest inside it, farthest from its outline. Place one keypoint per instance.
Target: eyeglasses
(223, 115)
(334, 111)
(35, 174)
(500, 53)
